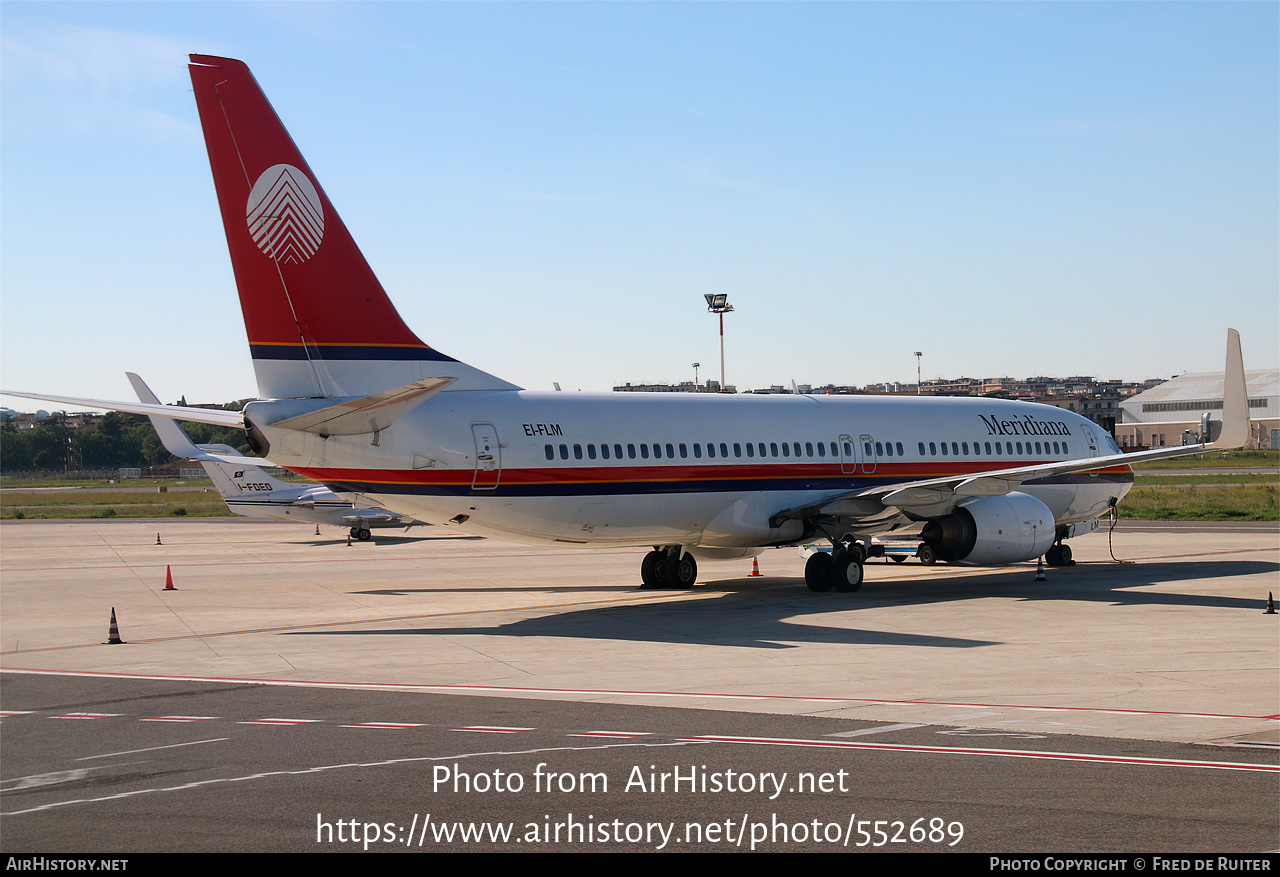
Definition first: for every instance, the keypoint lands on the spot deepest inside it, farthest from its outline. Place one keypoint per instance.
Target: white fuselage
(682, 469)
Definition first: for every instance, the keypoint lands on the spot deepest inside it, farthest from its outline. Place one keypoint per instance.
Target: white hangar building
(1159, 417)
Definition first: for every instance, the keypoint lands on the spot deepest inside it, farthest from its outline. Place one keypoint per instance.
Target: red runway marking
(1001, 753)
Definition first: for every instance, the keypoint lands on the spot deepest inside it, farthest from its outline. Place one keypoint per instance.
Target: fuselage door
(488, 457)
(848, 455)
(867, 451)
(1092, 440)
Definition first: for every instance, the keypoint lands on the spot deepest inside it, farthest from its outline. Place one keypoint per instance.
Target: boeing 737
(248, 490)
(353, 399)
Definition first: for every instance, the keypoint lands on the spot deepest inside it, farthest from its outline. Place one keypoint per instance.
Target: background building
(1158, 417)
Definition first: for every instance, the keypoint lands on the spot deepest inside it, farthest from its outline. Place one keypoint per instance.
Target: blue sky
(548, 189)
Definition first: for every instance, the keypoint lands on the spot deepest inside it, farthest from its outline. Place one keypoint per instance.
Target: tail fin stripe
(350, 352)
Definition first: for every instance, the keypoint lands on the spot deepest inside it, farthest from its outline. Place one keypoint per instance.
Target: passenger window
(697, 450)
(724, 449)
(751, 449)
(964, 447)
(551, 454)
(988, 446)
(955, 449)
(997, 449)
(604, 451)
(631, 451)
(711, 449)
(617, 451)
(564, 452)
(944, 448)
(644, 451)
(773, 449)
(822, 449)
(591, 451)
(684, 451)
(921, 448)
(760, 447)
(657, 451)
(1038, 451)
(671, 451)
(786, 450)
(879, 449)
(808, 449)
(737, 449)
(933, 449)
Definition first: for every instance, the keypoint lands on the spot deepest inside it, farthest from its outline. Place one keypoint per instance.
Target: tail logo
(284, 214)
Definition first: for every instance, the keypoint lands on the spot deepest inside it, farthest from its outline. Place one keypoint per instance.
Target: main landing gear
(841, 569)
(361, 533)
(669, 567)
(1059, 554)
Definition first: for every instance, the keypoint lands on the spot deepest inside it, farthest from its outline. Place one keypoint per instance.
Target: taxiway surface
(936, 687)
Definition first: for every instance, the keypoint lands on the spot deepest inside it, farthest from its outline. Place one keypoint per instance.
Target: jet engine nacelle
(992, 530)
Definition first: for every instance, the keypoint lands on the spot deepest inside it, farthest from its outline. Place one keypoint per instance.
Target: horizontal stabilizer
(368, 414)
(372, 516)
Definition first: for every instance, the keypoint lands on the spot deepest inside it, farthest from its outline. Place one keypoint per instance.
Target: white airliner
(355, 400)
(248, 490)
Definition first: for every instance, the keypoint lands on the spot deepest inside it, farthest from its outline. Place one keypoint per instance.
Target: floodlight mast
(718, 303)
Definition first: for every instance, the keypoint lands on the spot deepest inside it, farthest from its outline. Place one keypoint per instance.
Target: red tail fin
(318, 320)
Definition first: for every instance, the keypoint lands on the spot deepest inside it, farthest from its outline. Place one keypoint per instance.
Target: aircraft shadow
(757, 613)
(385, 540)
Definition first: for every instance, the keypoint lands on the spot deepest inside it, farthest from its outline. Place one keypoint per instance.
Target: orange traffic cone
(1040, 570)
(158, 542)
(1271, 605)
(168, 580)
(755, 567)
(113, 633)
(348, 539)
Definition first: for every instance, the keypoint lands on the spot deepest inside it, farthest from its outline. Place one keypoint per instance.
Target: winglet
(1235, 399)
(175, 439)
(171, 435)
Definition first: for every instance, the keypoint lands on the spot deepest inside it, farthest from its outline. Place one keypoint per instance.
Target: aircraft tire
(846, 572)
(364, 535)
(1059, 555)
(652, 570)
(815, 572)
(679, 572)
(927, 555)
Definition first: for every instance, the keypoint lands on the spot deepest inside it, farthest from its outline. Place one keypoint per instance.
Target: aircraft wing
(372, 516)
(198, 415)
(937, 496)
